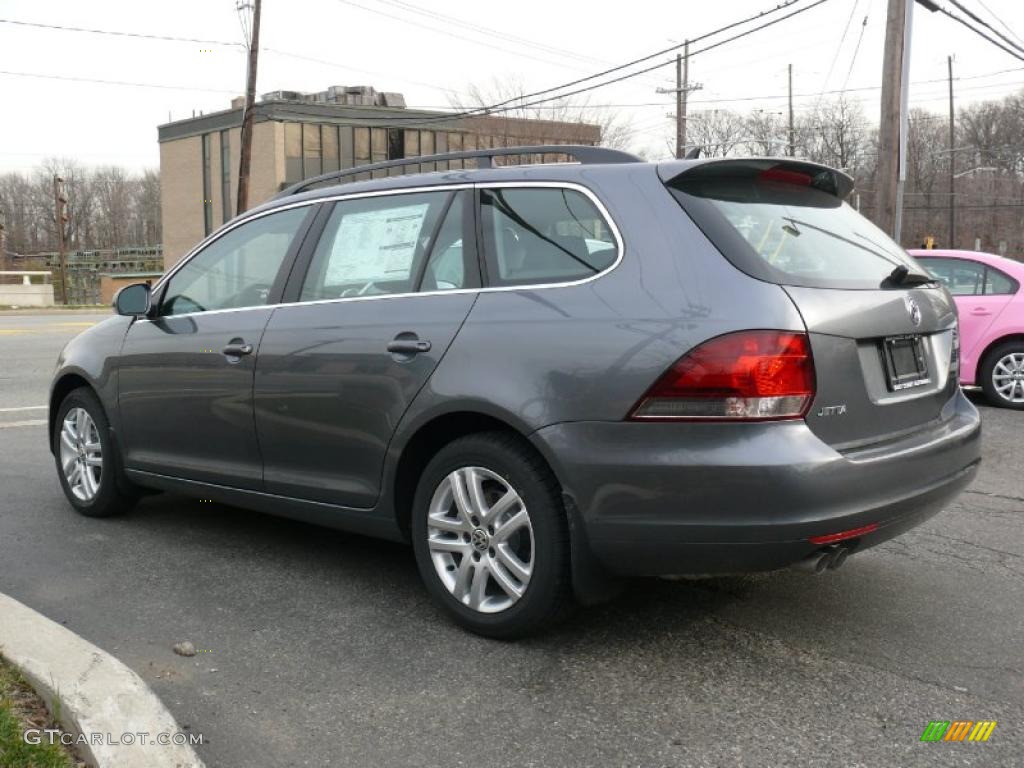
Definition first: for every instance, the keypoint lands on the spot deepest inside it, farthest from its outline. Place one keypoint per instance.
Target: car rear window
(777, 226)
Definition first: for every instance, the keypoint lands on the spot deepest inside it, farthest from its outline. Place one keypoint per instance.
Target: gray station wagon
(545, 377)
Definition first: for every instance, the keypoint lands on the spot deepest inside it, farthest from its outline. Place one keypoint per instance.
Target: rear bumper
(674, 498)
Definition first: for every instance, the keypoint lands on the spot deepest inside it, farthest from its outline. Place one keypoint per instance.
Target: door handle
(980, 312)
(408, 346)
(237, 349)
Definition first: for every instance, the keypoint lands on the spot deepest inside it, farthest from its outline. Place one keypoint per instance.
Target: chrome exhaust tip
(817, 563)
(838, 558)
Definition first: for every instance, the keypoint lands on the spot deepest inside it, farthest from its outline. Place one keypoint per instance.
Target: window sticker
(376, 245)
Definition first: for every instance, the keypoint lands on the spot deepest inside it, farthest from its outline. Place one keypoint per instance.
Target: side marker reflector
(832, 538)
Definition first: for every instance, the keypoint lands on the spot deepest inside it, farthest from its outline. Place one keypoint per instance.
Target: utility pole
(3, 239)
(245, 160)
(681, 91)
(59, 219)
(952, 165)
(892, 129)
(792, 132)
(680, 116)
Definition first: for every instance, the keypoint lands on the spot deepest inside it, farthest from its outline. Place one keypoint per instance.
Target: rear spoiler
(783, 169)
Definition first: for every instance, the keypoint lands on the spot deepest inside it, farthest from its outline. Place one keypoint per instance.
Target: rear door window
(534, 235)
(374, 246)
(777, 226)
(963, 277)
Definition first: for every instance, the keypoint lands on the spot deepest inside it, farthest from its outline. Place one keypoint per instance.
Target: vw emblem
(480, 539)
(914, 310)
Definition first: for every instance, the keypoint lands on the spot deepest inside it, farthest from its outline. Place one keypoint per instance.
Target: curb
(97, 696)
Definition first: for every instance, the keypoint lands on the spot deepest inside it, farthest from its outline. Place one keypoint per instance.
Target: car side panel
(590, 351)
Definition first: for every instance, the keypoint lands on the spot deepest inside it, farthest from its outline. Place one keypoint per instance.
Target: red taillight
(832, 538)
(745, 376)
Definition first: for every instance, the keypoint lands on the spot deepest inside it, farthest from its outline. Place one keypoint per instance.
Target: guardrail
(17, 288)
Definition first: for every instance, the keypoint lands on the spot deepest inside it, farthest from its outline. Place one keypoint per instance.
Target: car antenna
(693, 154)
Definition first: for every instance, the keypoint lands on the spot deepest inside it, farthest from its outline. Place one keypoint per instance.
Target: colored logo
(958, 730)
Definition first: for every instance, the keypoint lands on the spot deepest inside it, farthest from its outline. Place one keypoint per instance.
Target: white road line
(24, 408)
(30, 423)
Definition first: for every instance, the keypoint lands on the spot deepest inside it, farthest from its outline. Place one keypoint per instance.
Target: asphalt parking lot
(322, 649)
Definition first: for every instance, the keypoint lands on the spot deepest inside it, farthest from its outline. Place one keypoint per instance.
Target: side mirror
(132, 300)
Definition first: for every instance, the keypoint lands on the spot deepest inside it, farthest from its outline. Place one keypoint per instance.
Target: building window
(292, 152)
(345, 140)
(455, 145)
(412, 149)
(330, 146)
(311, 162)
(225, 176)
(362, 149)
(207, 187)
(379, 148)
(441, 147)
(426, 148)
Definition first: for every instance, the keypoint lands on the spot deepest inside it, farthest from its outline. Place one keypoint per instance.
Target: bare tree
(614, 130)
(717, 132)
(108, 207)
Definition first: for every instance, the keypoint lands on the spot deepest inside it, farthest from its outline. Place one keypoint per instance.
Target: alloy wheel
(480, 539)
(1008, 377)
(81, 454)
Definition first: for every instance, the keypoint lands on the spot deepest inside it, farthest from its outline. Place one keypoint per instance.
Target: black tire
(987, 369)
(547, 595)
(114, 495)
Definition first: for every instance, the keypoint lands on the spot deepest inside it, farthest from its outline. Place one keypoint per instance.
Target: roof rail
(586, 155)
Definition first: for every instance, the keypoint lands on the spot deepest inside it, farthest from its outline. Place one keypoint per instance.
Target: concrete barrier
(18, 289)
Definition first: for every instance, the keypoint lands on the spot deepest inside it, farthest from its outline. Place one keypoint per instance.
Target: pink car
(987, 291)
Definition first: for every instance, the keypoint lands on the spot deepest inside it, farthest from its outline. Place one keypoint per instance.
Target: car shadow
(278, 551)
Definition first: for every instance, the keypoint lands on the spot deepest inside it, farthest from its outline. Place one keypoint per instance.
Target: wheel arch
(992, 345)
(425, 441)
(62, 387)
(590, 581)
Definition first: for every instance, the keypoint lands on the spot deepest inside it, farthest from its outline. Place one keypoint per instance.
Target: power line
(839, 48)
(973, 16)
(142, 35)
(519, 102)
(114, 82)
(979, 33)
(491, 32)
(451, 33)
(225, 43)
(997, 18)
(856, 50)
(99, 81)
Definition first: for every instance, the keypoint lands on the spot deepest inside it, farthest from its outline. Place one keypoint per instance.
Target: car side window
(961, 278)
(373, 246)
(543, 235)
(446, 268)
(998, 284)
(237, 269)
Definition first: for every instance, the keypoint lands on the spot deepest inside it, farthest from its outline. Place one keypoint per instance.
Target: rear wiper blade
(903, 276)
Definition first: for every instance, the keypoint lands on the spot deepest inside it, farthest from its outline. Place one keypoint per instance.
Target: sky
(433, 51)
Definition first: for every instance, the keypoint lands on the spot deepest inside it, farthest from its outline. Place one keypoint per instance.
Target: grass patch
(21, 709)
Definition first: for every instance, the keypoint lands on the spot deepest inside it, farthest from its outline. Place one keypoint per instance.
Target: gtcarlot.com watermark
(128, 738)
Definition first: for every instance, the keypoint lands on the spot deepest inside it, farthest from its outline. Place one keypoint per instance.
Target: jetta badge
(914, 310)
(832, 410)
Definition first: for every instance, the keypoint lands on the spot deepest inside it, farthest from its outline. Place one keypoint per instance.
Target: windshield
(791, 234)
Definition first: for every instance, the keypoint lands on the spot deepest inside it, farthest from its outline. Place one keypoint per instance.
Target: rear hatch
(883, 334)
